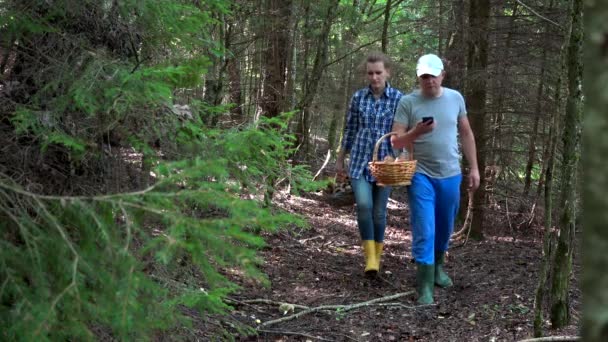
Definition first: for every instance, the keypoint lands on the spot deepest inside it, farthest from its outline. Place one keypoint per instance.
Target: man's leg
(422, 208)
(448, 199)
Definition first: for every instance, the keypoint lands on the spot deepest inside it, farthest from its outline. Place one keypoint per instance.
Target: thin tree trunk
(456, 49)
(479, 14)
(562, 266)
(499, 115)
(549, 235)
(441, 29)
(236, 93)
(534, 133)
(337, 122)
(293, 59)
(387, 21)
(7, 47)
(276, 56)
(547, 143)
(315, 76)
(455, 55)
(595, 163)
(339, 110)
(234, 85)
(276, 59)
(214, 84)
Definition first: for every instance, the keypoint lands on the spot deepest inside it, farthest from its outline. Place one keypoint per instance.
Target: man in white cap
(430, 119)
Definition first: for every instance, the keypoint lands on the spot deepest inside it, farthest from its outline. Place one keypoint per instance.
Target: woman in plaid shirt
(369, 117)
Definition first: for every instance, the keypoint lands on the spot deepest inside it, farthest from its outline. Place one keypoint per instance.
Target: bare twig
(303, 241)
(538, 14)
(127, 224)
(269, 301)
(552, 339)
(324, 165)
(532, 215)
(361, 47)
(509, 219)
(18, 190)
(342, 308)
(466, 225)
(292, 333)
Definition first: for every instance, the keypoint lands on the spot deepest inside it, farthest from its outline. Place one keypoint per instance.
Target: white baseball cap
(429, 64)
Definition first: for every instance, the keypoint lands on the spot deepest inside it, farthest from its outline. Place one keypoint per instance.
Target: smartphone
(427, 119)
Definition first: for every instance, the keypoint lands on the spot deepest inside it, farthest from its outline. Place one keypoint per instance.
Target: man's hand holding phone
(425, 126)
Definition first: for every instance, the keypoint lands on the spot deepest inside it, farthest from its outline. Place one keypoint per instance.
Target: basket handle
(377, 147)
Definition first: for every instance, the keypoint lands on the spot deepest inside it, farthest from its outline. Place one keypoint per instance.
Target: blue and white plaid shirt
(367, 120)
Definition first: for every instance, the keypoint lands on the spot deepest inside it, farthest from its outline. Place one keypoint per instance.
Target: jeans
(371, 202)
(433, 208)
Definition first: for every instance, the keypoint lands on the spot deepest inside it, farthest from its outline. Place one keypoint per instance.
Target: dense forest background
(142, 137)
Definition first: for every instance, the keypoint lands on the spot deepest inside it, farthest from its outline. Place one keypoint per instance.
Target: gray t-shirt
(437, 151)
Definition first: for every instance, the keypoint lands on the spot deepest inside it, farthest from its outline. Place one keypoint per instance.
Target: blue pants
(433, 208)
(371, 202)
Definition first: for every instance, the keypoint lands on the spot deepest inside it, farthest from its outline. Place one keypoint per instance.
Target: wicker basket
(391, 173)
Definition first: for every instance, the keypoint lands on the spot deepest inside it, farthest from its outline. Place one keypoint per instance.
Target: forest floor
(492, 298)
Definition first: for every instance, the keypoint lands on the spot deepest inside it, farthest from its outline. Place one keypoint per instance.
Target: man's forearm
(470, 151)
(403, 138)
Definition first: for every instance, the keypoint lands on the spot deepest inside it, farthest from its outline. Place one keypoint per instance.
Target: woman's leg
(365, 205)
(380, 195)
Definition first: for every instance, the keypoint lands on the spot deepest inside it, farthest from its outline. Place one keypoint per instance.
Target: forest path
(492, 299)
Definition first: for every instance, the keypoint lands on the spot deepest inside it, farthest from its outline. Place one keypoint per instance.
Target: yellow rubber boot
(379, 247)
(371, 262)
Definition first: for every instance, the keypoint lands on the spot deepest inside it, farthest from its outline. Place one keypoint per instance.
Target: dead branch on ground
(341, 308)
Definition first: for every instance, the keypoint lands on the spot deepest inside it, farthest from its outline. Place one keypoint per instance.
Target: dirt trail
(492, 299)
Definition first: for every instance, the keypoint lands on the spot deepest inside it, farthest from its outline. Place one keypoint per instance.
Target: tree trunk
(214, 83)
(276, 59)
(234, 84)
(549, 235)
(236, 93)
(504, 70)
(479, 13)
(276, 56)
(534, 133)
(455, 55)
(337, 121)
(315, 76)
(441, 29)
(456, 49)
(290, 89)
(595, 236)
(562, 266)
(387, 21)
(549, 145)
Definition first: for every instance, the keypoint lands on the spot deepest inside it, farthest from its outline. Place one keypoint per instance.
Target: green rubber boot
(441, 277)
(425, 279)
